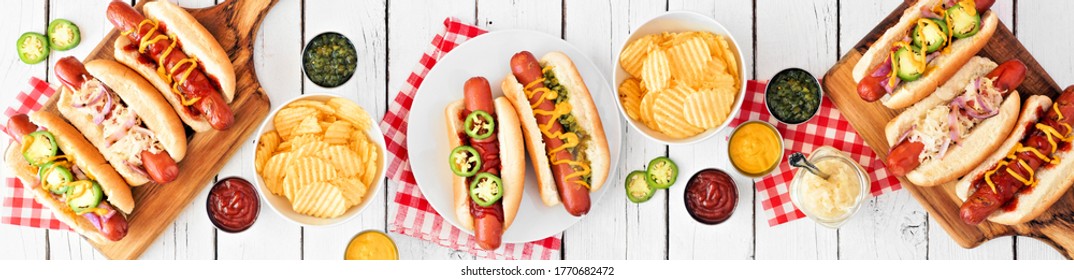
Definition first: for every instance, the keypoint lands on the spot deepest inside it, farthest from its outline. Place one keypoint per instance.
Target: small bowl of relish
(329, 59)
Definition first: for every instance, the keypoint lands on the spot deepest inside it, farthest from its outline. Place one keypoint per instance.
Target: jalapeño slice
(929, 34)
(54, 177)
(479, 125)
(38, 147)
(907, 61)
(661, 172)
(63, 35)
(638, 189)
(32, 47)
(486, 189)
(84, 195)
(965, 21)
(464, 161)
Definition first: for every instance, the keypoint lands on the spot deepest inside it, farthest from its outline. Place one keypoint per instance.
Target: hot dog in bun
(950, 132)
(929, 43)
(488, 161)
(67, 175)
(1029, 172)
(563, 131)
(124, 117)
(180, 58)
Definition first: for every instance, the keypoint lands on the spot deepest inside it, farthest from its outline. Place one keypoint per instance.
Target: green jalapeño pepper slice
(84, 195)
(464, 161)
(965, 21)
(479, 125)
(661, 172)
(38, 147)
(32, 47)
(486, 189)
(63, 35)
(638, 189)
(54, 177)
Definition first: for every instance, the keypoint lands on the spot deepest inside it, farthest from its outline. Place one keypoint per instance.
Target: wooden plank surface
(893, 226)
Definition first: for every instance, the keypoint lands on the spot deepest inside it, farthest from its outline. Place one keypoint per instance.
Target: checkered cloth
(413, 214)
(828, 128)
(19, 207)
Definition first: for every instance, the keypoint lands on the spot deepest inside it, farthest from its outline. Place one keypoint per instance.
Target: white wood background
(391, 35)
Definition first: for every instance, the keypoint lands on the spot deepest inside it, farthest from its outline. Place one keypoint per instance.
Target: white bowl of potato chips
(319, 160)
(679, 78)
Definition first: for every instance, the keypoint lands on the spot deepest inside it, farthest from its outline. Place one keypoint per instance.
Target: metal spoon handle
(798, 160)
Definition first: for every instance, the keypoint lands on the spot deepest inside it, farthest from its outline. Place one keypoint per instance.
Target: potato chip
(275, 169)
(347, 162)
(307, 126)
(729, 57)
(353, 190)
(689, 59)
(320, 199)
(358, 141)
(371, 162)
(307, 170)
(309, 145)
(668, 115)
(288, 118)
(646, 107)
(338, 133)
(323, 108)
(266, 145)
(284, 146)
(706, 108)
(656, 73)
(633, 55)
(351, 112)
(630, 95)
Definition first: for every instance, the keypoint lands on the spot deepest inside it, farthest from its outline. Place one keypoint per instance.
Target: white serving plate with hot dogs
(489, 56)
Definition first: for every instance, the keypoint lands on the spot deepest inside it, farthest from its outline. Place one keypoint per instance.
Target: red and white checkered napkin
(414, 215)
(19, 207)
(827, 128)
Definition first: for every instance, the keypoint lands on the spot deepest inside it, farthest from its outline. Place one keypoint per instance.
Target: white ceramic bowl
(679, 21)
(280, 205)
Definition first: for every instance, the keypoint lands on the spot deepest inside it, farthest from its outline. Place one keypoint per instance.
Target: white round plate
(489, 56)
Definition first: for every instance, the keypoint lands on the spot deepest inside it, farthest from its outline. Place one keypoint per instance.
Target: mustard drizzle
(570, 139)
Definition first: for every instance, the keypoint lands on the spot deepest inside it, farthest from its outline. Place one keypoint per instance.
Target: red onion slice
(111, 211)
(98, 117)
(943, 148)
(884, 69)
(143, 130)
(94, 219)
(79, 175)
(112, 138)
(137, 169)
(952, 123)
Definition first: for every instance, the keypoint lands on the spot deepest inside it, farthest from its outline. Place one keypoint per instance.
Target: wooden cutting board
(234, 24)
(1055, 227)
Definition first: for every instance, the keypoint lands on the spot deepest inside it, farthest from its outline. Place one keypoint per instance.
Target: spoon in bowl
(798, 160)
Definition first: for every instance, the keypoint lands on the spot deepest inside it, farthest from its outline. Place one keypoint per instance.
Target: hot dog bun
(71, 143)
(512, 161)
(944, 66)
(583, 111)
(140, 97)
(1053, 181)
(196, 42)
(963, 157)
(28, 175)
